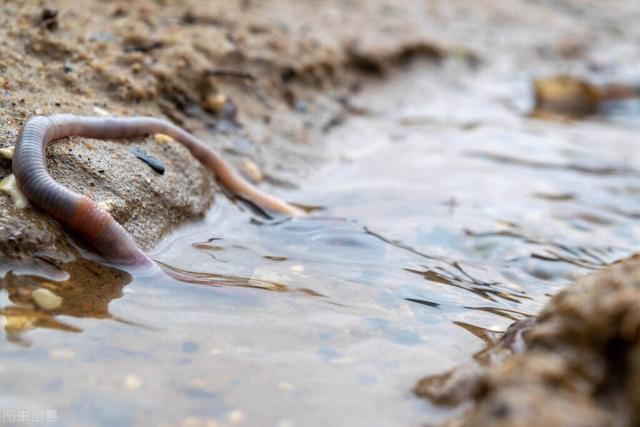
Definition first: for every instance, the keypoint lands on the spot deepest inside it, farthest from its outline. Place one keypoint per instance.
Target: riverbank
(265, 83)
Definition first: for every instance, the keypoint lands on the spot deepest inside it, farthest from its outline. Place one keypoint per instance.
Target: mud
(578, 365)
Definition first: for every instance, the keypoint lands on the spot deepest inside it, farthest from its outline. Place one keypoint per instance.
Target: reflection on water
(433, 237)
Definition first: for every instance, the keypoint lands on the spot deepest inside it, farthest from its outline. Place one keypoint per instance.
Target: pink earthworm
(83, 217)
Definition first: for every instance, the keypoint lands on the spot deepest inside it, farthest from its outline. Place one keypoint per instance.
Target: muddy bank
(243, 76)
(260, 80)
(576, 363)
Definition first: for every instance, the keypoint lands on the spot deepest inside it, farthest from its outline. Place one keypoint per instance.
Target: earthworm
(83, 217)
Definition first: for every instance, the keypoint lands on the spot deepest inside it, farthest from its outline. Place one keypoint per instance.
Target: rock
(252, 171)
(45, 299)
(7, 152)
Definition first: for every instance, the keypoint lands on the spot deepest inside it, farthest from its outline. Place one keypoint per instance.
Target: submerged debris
(574, 97)
(45, 299)
(252, 171)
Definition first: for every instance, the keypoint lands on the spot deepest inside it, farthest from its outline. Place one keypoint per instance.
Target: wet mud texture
(241, 75)
(580, 365)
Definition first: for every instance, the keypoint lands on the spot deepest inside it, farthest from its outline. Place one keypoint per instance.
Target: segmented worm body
(83, 217)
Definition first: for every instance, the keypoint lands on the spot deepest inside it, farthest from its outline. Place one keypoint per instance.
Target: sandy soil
(242, 75)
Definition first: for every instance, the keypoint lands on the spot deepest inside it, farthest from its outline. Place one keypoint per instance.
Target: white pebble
(7, 152)
(9, 186)
(101, 111)
(46, 299)
(297, 268)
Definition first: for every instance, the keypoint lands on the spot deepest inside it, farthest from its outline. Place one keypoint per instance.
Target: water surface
(445, 214)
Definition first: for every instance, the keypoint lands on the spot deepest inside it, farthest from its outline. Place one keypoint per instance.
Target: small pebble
(297, 268)
(132, 382)
(9, 186)
(215, 351)
(101, 111)
(45, 299)
(252, 171)
(162, 138)
(215, 103)
(7, 152)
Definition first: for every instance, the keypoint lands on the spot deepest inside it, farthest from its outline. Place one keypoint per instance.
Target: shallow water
(446, 214)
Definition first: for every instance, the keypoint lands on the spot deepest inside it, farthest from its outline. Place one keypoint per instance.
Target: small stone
(101, 111)
(252, 171)
(62, 354)
(45, 299)
(7, 152)
(162, 138)
(215, 102)
(132, 382)
(215, 351)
